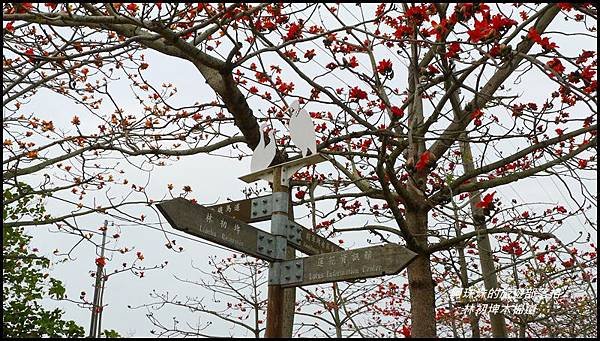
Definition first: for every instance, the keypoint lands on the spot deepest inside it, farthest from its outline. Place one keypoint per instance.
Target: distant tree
(25, 280)
(232, 292)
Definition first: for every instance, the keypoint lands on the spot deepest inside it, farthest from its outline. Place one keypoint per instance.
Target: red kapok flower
(453, 50)
(487, 200)
(310, 54)
(384, 67)
(476, 117)
(423, 161)
(9, 27)
(402, 31)
(132, 7)
(294, 32)
(537, 38)
(353, 62)
(24, 7)
(556, 65)
(358, 94)
(101, 261)
(416, 14)
(513, 248)
(397, 112)
(481, 31)
(405, 331)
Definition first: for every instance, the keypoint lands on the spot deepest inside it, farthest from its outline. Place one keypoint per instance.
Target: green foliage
(23, 202)
(110, 333)
(24, 279)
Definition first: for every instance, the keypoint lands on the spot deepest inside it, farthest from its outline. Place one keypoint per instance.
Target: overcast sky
(213, 179)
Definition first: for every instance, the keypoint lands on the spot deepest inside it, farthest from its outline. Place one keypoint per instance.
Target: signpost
(218, 228)
(260, 209)
(347, 265)
(227, 224)
(310, 242)
(248, 210)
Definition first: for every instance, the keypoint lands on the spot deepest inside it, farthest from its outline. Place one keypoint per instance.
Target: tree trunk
(420, 280)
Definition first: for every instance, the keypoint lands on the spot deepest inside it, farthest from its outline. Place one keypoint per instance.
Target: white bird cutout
(302, 130)
(263, 155)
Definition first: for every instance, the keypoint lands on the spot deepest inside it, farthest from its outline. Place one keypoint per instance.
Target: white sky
(213, 179)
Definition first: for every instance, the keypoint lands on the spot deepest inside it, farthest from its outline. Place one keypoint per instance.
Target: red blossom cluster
(353, 62)
(397, 112)
(101, 261)
(489, 28)
(439, 29)
(487, 201)
(294, 32)
(132, 7)
(309, 54)
(402, 31)
(453, 50)
(513, 248)
(544, 42)
(417, 14)
(423, 162)
(569, 263)
(584, 56)
(405, 331)
(476, 117)
(384, 67)
(555, 65)
(357, 94)
(324, 224)
(284, 87)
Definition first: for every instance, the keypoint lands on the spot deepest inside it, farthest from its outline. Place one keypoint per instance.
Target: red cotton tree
(428, 114)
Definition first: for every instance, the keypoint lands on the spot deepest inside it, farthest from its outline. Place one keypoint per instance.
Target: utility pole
(486, 259)
(97, 305)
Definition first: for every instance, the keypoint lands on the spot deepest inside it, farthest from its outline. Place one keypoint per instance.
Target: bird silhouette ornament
(302, 133)
(302, 130)
(263, 155)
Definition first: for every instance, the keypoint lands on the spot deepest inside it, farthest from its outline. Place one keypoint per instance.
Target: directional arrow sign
(205, 223)
(347, 265)
(260, 209)
(309, 242)
(247, 210)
